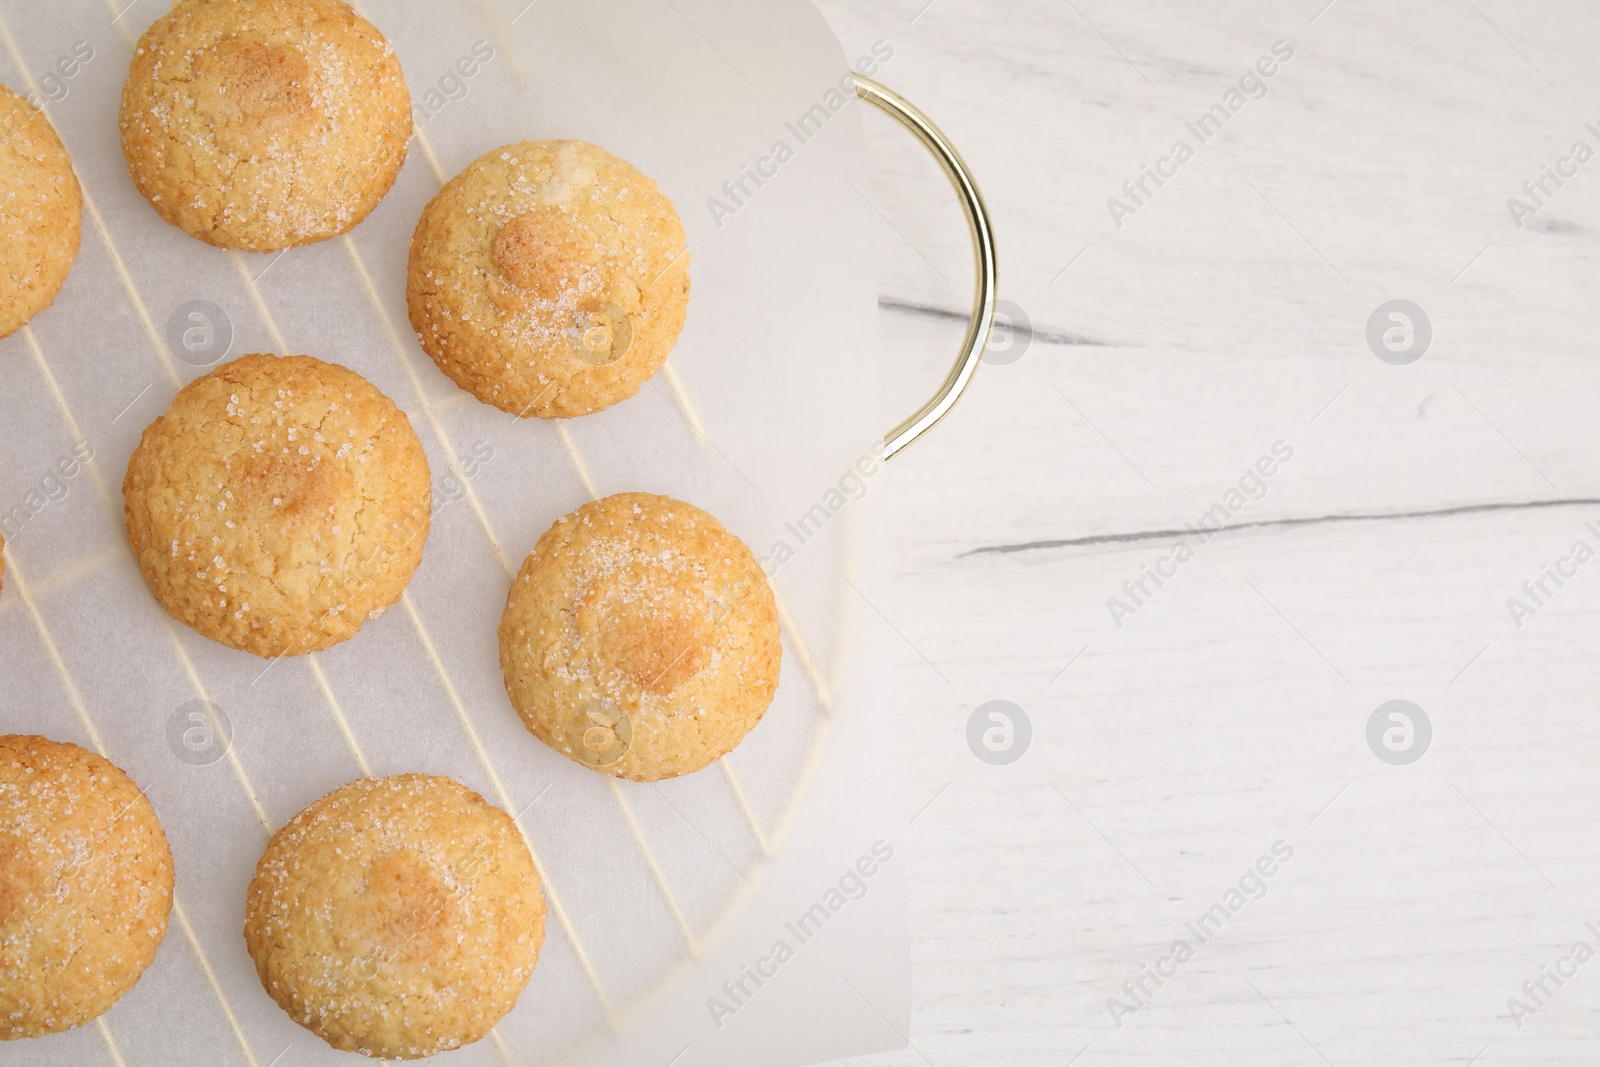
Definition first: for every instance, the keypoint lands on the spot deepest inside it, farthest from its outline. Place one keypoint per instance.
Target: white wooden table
(1229, 710)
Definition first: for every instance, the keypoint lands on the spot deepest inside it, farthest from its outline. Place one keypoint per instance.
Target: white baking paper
(679, 894)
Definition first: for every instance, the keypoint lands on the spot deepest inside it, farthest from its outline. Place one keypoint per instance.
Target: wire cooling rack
(111, 564)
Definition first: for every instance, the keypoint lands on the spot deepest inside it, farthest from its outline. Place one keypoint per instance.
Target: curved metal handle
(972, 349)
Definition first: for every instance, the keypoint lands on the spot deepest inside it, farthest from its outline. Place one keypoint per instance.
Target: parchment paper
(673, 898)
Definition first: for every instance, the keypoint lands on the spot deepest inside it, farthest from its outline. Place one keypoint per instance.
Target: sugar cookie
(85, 885)
(640, 638)
(549, 278)
(264, 124)
(278, 504)
(41, 213)
(396, 917)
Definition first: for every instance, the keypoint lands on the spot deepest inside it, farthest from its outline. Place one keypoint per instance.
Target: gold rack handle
(987, 283)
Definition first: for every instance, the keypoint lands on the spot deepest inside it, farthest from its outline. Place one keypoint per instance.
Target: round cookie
(549, 278)
(278, 504)
(264, 124)
(640, 638)
(396, 917)
(41, 213)
(85, 885)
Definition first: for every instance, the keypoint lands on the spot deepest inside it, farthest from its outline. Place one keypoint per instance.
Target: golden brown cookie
(396, 917)
(264, 124)
(278, 504)
(85, 885)
(41, 213)
(549, 278)
(640, 638)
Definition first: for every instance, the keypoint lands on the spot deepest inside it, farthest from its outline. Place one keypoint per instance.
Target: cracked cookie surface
(640, 638)
(264, 124)
(396, 917)
(85, 885)
(279, 504)
(549, 279)
(41, 213)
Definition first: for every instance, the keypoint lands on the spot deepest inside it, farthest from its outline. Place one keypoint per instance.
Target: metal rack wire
(405, 359)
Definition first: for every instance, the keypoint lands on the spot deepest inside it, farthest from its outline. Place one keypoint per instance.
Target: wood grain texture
(1229, 710)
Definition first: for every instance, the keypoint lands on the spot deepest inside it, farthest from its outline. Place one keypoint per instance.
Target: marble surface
(1406, 545)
